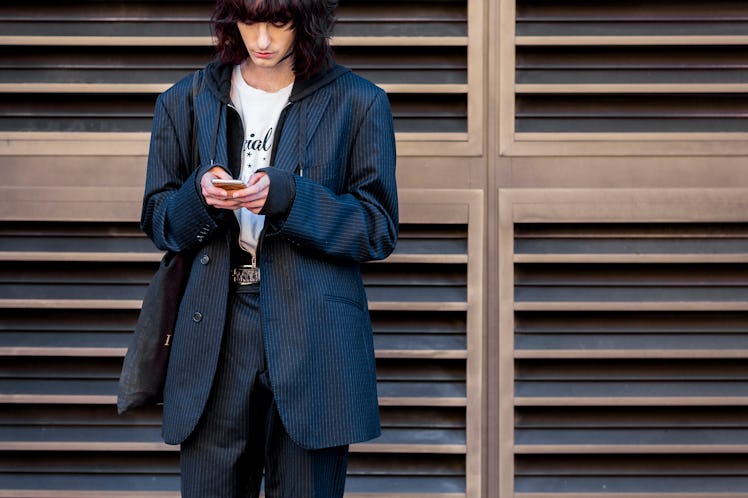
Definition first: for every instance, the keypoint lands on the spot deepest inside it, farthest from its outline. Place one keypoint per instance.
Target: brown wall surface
(565, 314)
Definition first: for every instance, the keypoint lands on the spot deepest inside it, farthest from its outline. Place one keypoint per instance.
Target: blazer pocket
(345, 300)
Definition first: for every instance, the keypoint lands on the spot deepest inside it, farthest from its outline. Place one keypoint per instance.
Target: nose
(263, 35)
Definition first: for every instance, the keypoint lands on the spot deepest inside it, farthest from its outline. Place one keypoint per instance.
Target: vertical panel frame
(463, 206)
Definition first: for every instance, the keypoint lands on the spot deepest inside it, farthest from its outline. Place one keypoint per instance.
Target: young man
(272, 364)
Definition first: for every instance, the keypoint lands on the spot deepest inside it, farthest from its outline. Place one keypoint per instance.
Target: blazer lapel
(315, 109)
(299, 128)
(286, 157)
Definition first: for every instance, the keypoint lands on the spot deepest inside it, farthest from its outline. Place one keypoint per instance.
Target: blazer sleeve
(174, 214)
(361, 223)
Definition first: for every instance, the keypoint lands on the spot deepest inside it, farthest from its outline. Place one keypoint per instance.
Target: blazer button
(205, 259)
(197, 316)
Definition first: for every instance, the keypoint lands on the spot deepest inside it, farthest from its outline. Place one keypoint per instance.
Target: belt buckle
(246, 275)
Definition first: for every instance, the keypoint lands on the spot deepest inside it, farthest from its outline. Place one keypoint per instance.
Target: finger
(250, 193)
(259, 181)
(211, 192)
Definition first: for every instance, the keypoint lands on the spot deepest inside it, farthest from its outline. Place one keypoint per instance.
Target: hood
(218, 81)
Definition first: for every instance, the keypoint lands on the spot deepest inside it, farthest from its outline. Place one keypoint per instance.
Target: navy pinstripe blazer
(338, 130)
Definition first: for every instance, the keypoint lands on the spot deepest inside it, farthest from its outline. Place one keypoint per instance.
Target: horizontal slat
(634, 494)
(62, 88)
(631, 353)
(531, 237)
(633, 448)
(120, 352)
(424, 113)
(630, 69)
(126, 243)
(627, 486)
(635, 10)
(571, 40)
(628, 88)
(204, 41)
(89, 304)
(613, 128)
(397, 257)
(418, 306)
(155, 257)
(111, 400)
(200, 11)
(623, 28)
(659, 400)
(357, 486)
(422, 354)
(31, 493)
(93, 257)
(631, 430)
(88, 446)
(117, 446)
(89, 399)
(136, 304)
(630, 113)
(126, 257)
(83, 144)
(457, 449)
(565, 145)
(415, 88)
(632, 306)
(63, 351)
(152, 70)
(53, 399)
(738, 257)
(107, 332)
(60, 493)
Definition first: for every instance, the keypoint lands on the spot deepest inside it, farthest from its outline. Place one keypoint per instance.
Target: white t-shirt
(259, 111)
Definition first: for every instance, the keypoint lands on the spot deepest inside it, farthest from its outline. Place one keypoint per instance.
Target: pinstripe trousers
(241, 434)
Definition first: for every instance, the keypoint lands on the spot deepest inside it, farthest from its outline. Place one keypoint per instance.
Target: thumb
(257, 178)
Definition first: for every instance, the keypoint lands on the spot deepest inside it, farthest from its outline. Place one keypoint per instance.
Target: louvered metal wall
(625, 341)
(77, 88)
(620, 56)
(94, 66)
(69, 296)
(564, 317)
(620, 267)
(592, 71)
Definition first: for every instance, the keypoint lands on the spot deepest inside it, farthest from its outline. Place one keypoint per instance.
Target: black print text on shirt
(256, 144)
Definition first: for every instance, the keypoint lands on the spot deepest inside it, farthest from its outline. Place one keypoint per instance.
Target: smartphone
(229, 184)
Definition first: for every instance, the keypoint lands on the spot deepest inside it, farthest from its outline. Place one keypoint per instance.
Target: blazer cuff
(280, 196)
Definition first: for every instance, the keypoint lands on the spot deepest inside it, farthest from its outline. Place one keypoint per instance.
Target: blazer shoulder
(358, 86)
(358, 92)
(178, 94)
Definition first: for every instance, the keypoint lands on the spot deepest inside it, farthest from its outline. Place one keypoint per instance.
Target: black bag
(144, 369)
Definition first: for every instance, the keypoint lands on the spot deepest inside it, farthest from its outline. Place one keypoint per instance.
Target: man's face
(267, 43)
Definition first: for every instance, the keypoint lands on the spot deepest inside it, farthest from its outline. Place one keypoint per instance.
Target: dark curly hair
(312, 19)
